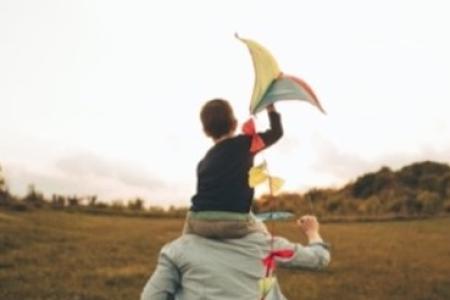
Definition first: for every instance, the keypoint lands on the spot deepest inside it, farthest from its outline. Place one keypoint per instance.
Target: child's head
(217, 118)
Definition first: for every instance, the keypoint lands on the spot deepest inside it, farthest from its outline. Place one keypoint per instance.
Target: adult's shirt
(196, 268)
(222, 175)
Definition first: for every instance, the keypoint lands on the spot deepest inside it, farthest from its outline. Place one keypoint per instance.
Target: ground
(59, 255)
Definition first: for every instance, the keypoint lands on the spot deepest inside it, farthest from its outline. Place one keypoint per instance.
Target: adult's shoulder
(174, 248)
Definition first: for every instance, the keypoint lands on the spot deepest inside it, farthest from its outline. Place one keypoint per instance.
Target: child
(221, 207)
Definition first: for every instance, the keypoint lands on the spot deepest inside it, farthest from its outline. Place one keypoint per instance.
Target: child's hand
(271, 108)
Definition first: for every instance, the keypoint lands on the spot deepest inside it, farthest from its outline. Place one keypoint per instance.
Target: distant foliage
(418, 189)
(58, 202)
(4, 195)
(136, 204)
(370, 184)
(2, 180)
(34, 198)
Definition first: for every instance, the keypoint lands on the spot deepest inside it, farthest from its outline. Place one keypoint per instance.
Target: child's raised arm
(275, 132)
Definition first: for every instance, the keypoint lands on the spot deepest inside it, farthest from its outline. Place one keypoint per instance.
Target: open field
(57, 255)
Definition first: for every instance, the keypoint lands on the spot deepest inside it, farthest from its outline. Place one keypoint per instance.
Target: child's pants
(222, 229)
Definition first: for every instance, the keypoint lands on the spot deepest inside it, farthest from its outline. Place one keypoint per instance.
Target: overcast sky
(103, 97)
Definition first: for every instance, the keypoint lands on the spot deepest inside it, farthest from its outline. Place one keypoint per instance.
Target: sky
(103, 97)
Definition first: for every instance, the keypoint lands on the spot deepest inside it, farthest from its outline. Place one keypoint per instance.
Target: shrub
(370, 184)
(373, 205)
(446, 205)
(430, 202)
(118, 205)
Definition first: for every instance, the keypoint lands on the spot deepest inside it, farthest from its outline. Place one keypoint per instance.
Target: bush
(430, 202)
(444, 185)
(373, 183)
(410, 204)
(446, 206)
(18, 206)
(373, 205)
(395, 206)
(333, 205)
(118, 205)
(429, 182)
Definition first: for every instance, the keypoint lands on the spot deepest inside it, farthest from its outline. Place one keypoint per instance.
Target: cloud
(89, 174)
(91, 165)
(289, 145)
(333, 161)
(346, 166)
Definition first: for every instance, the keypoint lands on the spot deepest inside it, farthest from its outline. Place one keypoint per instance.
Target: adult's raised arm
(315, 255)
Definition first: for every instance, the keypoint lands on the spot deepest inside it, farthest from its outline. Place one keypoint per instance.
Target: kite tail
(262, 173)
(270, 260)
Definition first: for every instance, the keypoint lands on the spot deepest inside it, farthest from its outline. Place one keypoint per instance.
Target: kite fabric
(249, 129)
(288, 87)
(266, 284)
(271, 85)
(266, 70)
(259, 174)
(274, 216)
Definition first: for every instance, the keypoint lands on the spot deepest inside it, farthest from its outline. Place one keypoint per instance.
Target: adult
(194, 268)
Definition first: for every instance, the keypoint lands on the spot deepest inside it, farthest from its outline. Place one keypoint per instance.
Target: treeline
(418, 189)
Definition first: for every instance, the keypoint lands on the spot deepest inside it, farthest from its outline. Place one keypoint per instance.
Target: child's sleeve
(275, 132)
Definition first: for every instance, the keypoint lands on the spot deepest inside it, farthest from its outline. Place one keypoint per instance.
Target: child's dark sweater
(222, 175)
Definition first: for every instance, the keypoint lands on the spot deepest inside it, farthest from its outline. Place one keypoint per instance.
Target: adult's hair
(217, 118)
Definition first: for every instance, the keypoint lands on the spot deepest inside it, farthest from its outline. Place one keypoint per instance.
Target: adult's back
(196, 268)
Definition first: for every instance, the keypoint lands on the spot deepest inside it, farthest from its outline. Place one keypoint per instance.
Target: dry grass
(56, 255)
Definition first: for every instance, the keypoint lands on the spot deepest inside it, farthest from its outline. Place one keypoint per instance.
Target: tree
(92, 201)
(58, 201)
(73, 201)
(3, 190)
(2, 181)
(33, 197)
(136, 204)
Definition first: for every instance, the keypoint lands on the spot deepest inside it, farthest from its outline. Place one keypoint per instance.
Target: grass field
(57, 255)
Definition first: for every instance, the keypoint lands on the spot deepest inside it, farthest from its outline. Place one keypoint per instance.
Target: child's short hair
(217, 118)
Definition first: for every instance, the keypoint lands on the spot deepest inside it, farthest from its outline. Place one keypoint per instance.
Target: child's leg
(257, 225)
(218, 229)
(222, 229)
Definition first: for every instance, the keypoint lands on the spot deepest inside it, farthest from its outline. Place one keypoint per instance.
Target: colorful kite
(277, 215)
(270, 86)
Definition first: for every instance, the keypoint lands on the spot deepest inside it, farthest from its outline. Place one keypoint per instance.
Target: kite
(259, 174)
(278, 215)
(270, 86)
